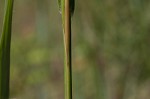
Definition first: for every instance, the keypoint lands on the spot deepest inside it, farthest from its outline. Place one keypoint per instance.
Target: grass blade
(68, 64)
(66, 8)
(5, 51)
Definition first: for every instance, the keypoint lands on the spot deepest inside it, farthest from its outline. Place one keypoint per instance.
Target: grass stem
(68, 63)
(5, 51)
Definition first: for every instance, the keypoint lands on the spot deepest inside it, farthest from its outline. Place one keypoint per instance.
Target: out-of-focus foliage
(111, 50)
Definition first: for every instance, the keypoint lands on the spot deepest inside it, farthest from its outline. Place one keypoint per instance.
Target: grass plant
(5, 51)
(67, 8)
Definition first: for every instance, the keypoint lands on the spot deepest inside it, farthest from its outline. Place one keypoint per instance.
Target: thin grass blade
(66, 8)
(5, 51)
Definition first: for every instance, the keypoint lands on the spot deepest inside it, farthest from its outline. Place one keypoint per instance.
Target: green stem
(5, 51)
(68, 62)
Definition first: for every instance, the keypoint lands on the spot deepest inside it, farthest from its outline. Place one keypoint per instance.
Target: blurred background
(110, 47)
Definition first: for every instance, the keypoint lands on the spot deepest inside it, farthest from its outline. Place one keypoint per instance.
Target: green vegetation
(5, 51)
(66, 8)
(110, 50)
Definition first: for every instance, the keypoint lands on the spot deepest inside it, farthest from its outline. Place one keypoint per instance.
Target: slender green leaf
(5, 51)
(66, 8)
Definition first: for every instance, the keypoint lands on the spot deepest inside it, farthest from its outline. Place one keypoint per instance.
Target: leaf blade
(5, 51)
